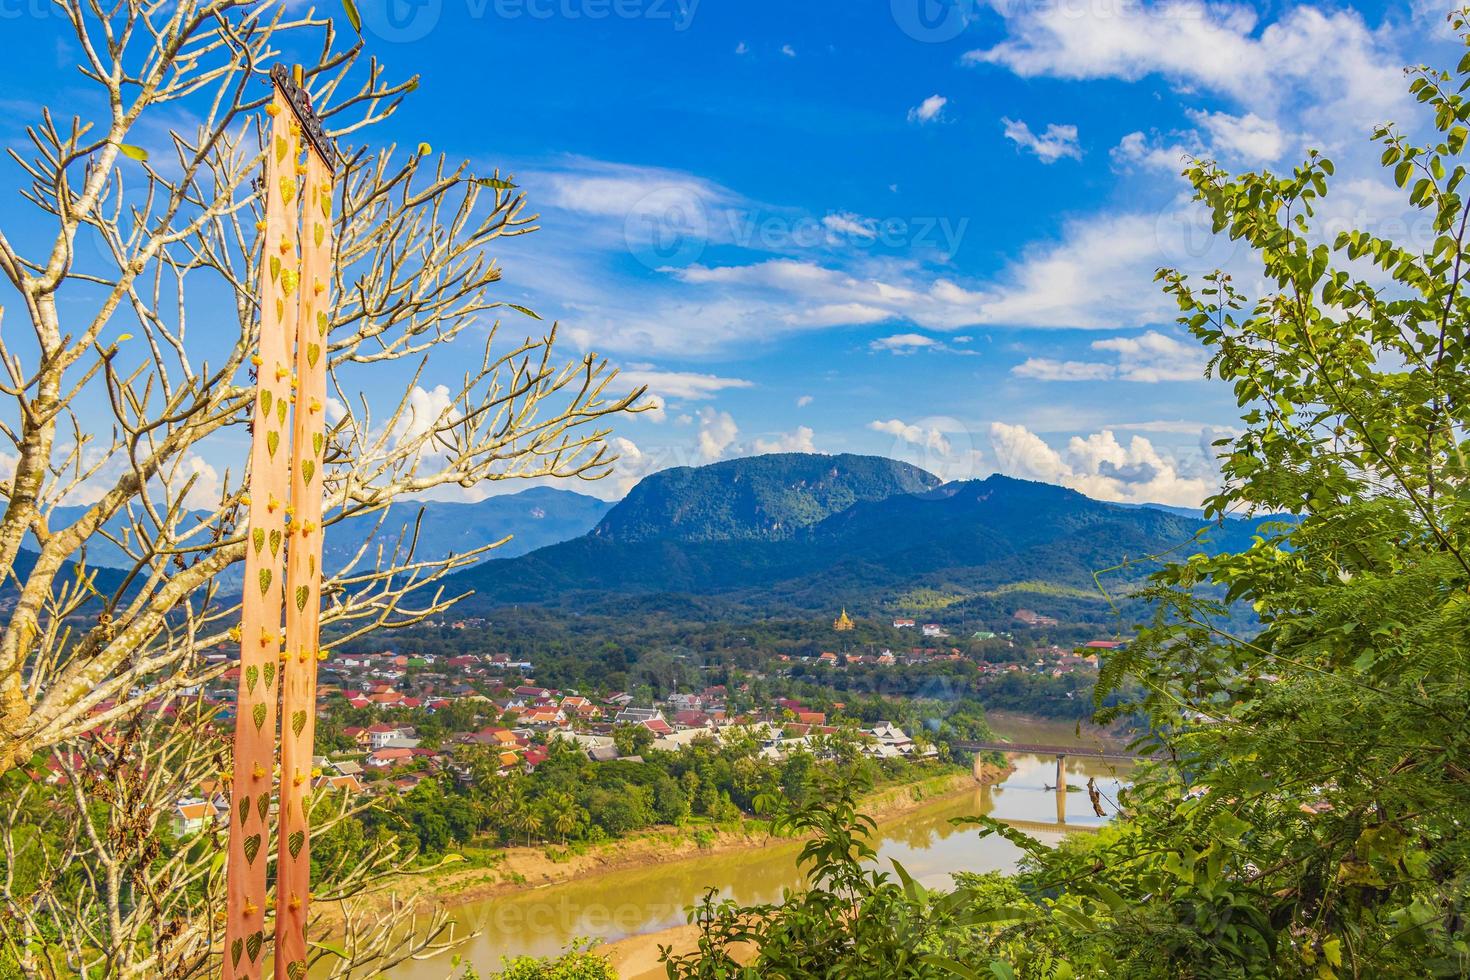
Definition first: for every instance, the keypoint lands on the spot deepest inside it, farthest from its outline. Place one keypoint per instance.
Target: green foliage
(851, 920)
(578, 963)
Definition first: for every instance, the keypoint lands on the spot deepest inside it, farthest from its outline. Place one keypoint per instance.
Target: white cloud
(915, 435)
(1434, 14)
(426, 406)
(930, 110)
(1102, 467)
(1137, 150)
(1153, 356)
(1095, 273)
(799, 441)
(852, 225)
(904, 343)
(1330, 55)
(943, 446)
(1051, 145)
(1248, 137)
(685, 385)
(1046, 369)
(788, 51)
(657, 412)
(615, 190)
(1020, 452)
(632, 466)
(1149, 357)
(803, 401)
(742, 48)
(205, 493)
(717, 434)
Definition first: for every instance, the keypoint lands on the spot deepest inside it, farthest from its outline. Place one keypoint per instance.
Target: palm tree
(565, 815)
(564, 823)
(525, 820)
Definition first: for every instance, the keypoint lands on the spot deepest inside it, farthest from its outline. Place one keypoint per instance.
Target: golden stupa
(843, 623)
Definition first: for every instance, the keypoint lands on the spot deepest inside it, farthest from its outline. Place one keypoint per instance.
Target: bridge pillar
(1061, 788)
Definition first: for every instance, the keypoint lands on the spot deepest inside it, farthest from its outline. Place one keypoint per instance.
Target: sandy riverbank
(637, 957)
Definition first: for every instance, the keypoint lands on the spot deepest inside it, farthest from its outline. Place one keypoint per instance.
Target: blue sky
(920, 228)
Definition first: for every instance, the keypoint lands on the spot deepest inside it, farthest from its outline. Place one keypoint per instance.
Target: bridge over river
(1060, 752)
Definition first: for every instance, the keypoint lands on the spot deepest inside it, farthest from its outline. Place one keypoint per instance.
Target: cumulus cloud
(930, 110)
(657, 411)
(915, 435)
(803, 401)
(742, 48)
(1249, 137)
(632, 465)
(1020, 452)
(717, 434)
(205, 492)
(942, 446)
(1102, 467)
(424, 410)
(800, 441)
(1051, 145)
(788, 51)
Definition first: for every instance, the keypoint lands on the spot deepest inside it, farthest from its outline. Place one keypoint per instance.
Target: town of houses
(389, 755)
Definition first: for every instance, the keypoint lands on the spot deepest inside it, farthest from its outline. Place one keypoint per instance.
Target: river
(614, 905)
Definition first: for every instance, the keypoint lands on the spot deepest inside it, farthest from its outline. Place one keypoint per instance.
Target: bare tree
(126, 366)
(136, 361)
(97, 879)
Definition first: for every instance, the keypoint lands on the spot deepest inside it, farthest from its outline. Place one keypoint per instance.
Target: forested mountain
(756, 498)
(944, 547)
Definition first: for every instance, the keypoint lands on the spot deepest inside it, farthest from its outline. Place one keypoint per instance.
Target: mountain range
(795, 533)
(531, 518)
(806, 531)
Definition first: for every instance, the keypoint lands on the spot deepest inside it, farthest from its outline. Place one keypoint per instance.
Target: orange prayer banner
(304, 574)
(265, 548)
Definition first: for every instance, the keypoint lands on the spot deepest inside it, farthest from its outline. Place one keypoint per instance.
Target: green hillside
(758, 498)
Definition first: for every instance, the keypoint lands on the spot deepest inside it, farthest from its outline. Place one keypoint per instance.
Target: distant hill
(756, 498)
(957, 544)
(534, 517)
